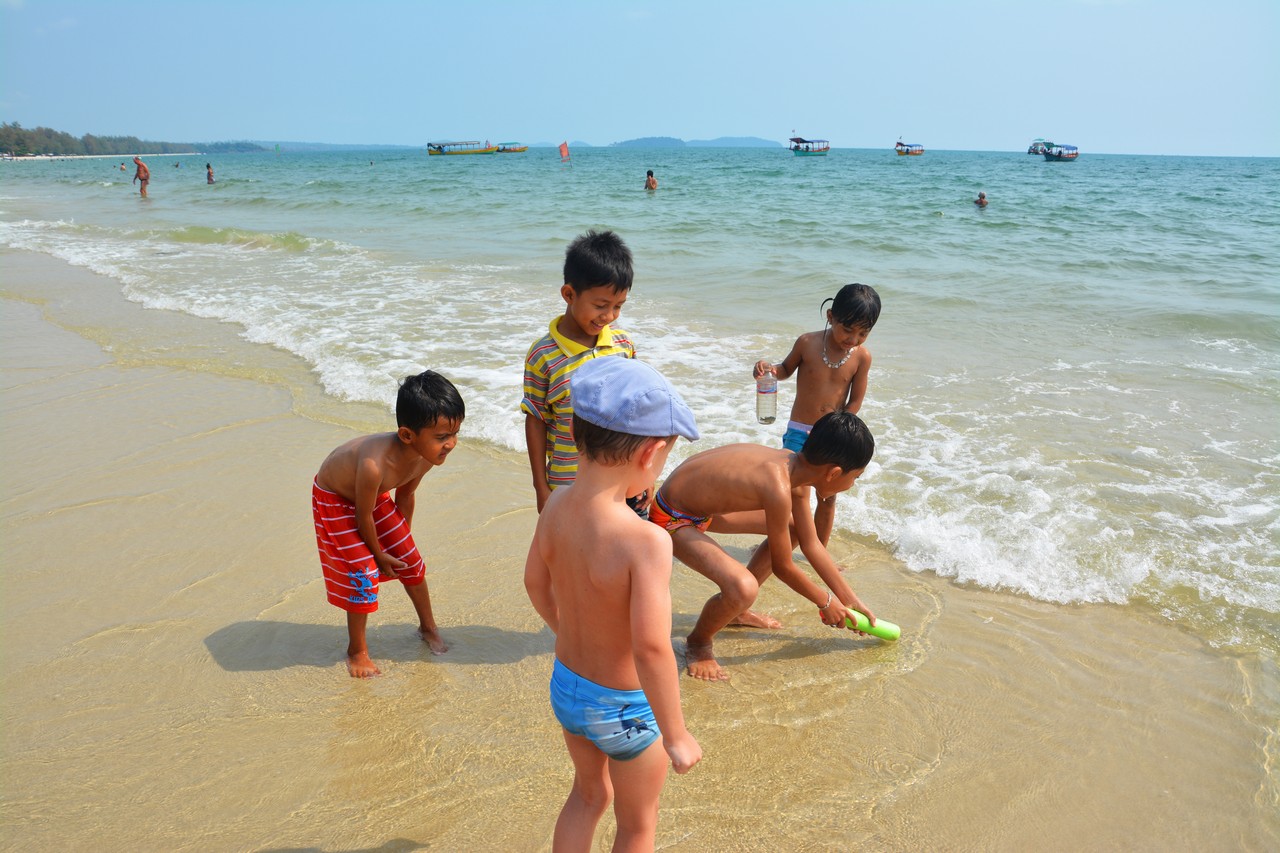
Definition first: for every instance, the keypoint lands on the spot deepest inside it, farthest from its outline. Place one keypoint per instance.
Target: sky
(1109, 76)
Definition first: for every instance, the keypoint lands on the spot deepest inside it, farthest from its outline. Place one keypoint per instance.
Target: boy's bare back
(732, 478)
(821, 388)
(610, 570)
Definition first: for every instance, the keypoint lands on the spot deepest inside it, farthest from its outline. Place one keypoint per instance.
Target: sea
(1075, 392)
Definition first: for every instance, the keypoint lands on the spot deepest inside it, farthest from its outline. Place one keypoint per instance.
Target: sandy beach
(173, 678)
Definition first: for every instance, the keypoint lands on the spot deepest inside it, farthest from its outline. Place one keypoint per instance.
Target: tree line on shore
(19, 141)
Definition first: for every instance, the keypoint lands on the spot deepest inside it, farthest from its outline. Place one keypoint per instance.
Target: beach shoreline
(173, 678)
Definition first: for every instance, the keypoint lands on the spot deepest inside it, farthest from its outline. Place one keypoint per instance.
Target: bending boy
(600, 576)
(749, 488)
(361, 532)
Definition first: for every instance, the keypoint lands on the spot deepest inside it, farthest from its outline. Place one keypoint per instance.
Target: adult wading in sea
(142, 174)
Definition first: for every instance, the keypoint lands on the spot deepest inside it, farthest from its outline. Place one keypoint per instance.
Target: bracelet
(828, 604)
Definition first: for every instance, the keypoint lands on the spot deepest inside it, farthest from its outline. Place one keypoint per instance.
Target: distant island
(718, 142)
(18, 141)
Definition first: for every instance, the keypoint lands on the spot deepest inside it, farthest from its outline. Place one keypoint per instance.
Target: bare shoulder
(338, 471)
(808, 343)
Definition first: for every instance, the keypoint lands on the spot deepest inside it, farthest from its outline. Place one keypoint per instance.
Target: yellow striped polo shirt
(546, 391)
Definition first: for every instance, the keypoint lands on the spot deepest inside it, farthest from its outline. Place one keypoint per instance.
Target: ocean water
(1075, 391)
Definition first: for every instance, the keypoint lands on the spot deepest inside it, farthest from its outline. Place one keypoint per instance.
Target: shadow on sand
(260, 646)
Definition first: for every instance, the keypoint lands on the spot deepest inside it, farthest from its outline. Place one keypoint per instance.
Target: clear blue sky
(1113, 76)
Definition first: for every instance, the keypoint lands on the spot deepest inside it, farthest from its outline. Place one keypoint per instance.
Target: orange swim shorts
(671, 520)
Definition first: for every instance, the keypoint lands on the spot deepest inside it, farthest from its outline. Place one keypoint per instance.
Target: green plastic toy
(882, 629)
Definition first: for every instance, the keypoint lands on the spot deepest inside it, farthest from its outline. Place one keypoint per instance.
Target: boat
(802, 147)
(461, 148)
(905, 149)
(1059, 153)
(1039, 146)
(511, 148)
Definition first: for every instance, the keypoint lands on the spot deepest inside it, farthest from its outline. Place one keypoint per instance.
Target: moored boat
(907, 149)
(470, 147)
(1059, 153)
(511, 148)
(802, 147)
(1039, 146)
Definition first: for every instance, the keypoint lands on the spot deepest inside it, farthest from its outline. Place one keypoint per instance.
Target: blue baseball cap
(629, 396)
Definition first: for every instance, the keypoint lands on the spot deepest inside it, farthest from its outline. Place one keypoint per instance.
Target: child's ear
(834, 472)
(567, 292)
(650, 451)
(405, 435)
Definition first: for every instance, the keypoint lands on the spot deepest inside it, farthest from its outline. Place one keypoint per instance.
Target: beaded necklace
(825, 360)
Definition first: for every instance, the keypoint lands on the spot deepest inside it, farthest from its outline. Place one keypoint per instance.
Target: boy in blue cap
(615, 687)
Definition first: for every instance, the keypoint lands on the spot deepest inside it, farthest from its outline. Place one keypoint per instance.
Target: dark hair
(425, 399)
(598, 259)
(649, 174)
(606, 446)
(855, 305)
(839, 438)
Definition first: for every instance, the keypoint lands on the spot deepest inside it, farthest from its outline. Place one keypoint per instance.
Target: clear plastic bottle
(767, 398)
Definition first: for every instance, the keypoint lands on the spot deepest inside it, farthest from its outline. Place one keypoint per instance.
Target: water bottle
(767, 398)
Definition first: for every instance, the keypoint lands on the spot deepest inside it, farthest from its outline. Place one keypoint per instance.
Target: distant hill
(650, 142)
(719, 142)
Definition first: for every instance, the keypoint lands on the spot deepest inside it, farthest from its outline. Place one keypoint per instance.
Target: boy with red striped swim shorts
(362, 532)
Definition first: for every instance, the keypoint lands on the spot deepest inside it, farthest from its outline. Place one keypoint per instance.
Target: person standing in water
(142, 174)
(650, 182)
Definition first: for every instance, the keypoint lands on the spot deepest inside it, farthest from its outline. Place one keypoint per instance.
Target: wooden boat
(461, 148)
(1061, 153)
(802, 147)
(906, 149)
(1039, 146)
(511, 148)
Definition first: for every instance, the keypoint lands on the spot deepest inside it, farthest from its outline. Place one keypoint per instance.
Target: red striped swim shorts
(350, 572)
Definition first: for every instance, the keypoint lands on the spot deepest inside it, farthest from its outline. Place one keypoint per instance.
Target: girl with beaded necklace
(831, 368)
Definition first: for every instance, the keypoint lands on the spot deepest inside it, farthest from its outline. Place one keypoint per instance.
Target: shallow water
(173, 677)
(1074, 391)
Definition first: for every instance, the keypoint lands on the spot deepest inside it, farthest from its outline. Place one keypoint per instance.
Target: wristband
(828, 604)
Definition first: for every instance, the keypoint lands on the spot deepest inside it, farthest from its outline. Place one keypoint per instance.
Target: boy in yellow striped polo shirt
(597, 280)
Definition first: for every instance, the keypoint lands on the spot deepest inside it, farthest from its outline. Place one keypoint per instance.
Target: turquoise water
(1075, 390)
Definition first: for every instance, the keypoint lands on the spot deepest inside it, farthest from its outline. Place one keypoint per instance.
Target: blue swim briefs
(619, 722)
(794, 438)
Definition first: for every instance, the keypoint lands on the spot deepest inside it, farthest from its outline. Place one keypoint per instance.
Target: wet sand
(173, 679)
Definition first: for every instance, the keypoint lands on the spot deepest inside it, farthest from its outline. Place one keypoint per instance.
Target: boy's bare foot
(702, 663)
(752, 619)
(433, 640)
(360, 666)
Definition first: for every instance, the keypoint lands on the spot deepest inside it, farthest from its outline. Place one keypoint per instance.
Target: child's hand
(847, 613)
(646, 499)
(762, 367)
(684, 752)
(834, 614)
(389, 566)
